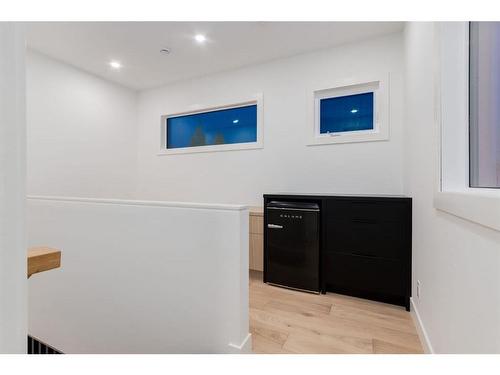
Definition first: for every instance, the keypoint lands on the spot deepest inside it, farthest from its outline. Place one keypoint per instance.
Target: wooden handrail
(43, 259)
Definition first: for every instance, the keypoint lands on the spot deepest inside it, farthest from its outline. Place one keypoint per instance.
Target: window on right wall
(484, 105)
(468, 183)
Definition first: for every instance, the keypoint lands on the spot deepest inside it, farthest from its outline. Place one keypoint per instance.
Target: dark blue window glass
(225, 126)
(346, 113)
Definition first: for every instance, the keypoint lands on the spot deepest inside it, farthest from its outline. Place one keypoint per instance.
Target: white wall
(456, 261)
(13, 292)
(141, 277)
(81, 132)
(285, 163)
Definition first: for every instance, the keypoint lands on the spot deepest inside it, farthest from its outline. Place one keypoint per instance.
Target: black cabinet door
(367, 248)
(366, 227)
(292, 249)
(365, 274)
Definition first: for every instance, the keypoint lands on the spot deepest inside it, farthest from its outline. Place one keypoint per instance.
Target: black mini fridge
(292, 245)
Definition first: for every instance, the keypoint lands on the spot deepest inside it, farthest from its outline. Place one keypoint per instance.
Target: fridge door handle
(275, 226)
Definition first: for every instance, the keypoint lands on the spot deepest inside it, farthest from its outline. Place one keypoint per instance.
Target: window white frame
(259, 143)
(377, 85)
(454, 196)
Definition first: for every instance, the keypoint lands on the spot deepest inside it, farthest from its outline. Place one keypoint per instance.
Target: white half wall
(286, 163)
(141, 277)
(13, 292)
(81, 132)
(456, 261)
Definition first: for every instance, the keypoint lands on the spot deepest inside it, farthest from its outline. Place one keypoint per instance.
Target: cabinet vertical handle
(275, 226)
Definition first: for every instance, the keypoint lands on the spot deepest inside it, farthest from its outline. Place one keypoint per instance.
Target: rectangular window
(350, 111)
(346, 113)
(484, 105)
(217, 127)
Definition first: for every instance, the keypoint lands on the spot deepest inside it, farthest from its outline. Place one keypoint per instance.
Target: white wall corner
(422, 333)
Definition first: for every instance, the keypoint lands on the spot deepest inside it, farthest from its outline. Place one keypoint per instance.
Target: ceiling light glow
(115, 64)
(236, 121)
(200, 38)
(354, 110)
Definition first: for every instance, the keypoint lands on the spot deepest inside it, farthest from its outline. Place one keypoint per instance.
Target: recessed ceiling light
(115, 64)
(165, 51)
(200, 38)
(354, 110)
(236, 121)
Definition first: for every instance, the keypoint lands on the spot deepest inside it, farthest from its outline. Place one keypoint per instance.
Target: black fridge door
(293, 248)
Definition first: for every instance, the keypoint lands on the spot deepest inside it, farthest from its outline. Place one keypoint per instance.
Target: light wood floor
(287, 321)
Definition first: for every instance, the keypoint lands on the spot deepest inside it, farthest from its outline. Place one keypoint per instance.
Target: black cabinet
(365, 248)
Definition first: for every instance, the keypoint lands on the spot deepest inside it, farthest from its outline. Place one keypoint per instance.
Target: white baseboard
(244, 348)
(422, 333)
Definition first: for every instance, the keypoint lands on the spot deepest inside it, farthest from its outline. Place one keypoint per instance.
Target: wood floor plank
(392, 335)
(258, 301)
(327, 344)
(261, 345)
(376, 318)
(304, 325)
(384, 347)
(271, 333)
(288, 321)
(375, 306)
(303, 308)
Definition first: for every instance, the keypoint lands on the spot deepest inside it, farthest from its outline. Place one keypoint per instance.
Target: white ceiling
(92, 45)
